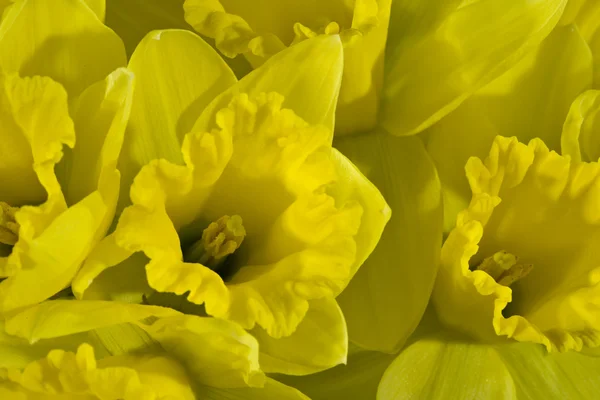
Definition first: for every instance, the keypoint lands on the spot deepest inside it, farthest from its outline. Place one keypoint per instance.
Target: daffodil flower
(260, 29)
(520, 262)
(254, 215)
(530, 100)
(55, 207)
(111, 350)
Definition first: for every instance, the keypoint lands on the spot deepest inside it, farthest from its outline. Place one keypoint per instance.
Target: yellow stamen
(221, 239)
(9, 228)
(504, 268)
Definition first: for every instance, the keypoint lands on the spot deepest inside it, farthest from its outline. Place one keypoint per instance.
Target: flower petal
(227, 358)
(470, 48)
(34, 40)
(177, 75)
(556, 376)
(319, 342)
(56, 318)
(100, 115)
(438, 368)
(580, 132)
(311, 91)
(386, 299)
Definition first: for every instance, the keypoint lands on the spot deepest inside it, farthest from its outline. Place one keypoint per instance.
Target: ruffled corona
(255, 225)
(521, 261)
(64, 375)
(239, 27)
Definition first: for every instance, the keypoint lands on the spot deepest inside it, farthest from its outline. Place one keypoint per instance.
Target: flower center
(9, 228)
(219, 240)
(505, 268)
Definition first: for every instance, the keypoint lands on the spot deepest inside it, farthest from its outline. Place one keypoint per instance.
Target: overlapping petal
(429, 74)
(530, 100)
(387, 297)
(239, 28)
(75, 54)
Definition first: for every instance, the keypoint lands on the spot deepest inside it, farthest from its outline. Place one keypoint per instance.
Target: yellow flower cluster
(196, 199)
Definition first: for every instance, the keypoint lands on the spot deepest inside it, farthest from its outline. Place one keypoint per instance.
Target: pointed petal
(311, 91)
(438, 368)
(356, 380)
(34, 40)
(177, 75)
(429, 78)
(319, 342)
(100, 115)
(386, 299)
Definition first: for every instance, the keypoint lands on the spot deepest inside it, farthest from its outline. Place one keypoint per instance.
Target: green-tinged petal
(556, 376)
(227, 356)
(123, 339)
(271, 390)
(466, 132)
(530, 100)
(356, 380)
(64, 317)
(311, 91)
(429, 77)
(533, 98)
(68, 375)
(581, 132)
(75, 54)
(177, 76)
(319, 342)
(440, 368)
(386, 299)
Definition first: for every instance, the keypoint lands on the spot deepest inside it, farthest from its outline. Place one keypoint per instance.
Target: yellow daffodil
(240, 203)
(57, 87)
(110, 350)
(530, 100)
(521, 261)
